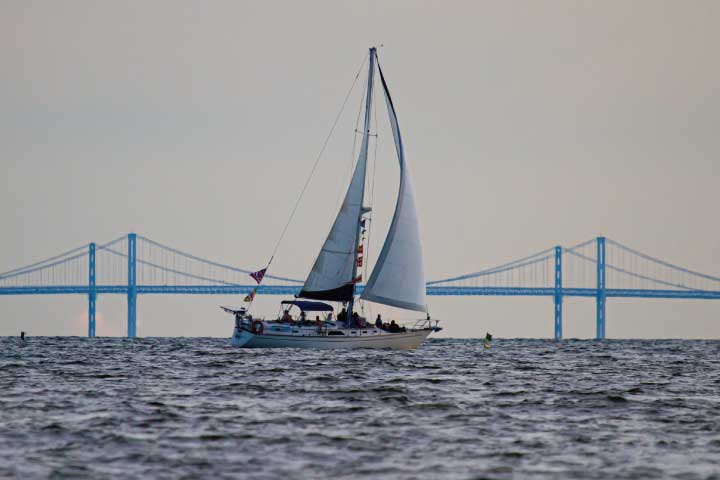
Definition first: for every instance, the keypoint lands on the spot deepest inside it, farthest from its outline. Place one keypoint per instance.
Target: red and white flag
(258, 276)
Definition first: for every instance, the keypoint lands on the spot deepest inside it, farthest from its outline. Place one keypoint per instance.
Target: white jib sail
(398, 278)
(332, 271)
(334, 265)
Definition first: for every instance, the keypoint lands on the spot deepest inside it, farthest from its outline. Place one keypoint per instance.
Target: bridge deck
(290, 290)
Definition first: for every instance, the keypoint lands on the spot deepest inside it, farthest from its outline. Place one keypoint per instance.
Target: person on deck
(394, 327)
(286, 317)
(355, 320)
(378, 322)
(342, 316)
(303, 317)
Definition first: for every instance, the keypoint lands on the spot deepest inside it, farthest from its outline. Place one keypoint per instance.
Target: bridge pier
(132, 287)
(601, 294)
(92, 293)
(558, 293)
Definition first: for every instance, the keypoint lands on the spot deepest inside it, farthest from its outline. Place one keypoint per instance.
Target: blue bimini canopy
(306, 306)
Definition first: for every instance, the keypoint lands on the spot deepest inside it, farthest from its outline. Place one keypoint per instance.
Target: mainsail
(332, 274)
(398, 278)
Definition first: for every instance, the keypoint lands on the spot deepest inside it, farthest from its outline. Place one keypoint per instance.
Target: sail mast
(335, 269)
(364, 150)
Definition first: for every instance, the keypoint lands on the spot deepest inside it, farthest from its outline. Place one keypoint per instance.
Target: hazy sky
(527, 124)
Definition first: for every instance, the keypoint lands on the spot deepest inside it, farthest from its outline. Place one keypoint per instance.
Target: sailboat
(397, 280)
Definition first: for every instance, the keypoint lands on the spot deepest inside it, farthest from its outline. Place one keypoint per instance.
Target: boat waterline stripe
(330, 338)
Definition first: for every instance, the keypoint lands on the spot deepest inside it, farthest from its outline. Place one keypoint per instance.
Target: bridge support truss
(132, 286)
(601, 292)
(558, 297)
(92, 291)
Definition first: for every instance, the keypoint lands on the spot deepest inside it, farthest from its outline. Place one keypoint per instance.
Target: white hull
(393, 341)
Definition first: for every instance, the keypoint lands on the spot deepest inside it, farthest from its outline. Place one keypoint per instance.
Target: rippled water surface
(168, 408)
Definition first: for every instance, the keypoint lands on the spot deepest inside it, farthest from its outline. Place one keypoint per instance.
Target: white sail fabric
(331, 277)
(333, 267)
(398, 278)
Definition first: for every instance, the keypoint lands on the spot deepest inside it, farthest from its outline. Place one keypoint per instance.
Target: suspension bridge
(133, 265)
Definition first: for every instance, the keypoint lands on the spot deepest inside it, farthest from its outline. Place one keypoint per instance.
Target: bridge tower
(558, 297)
(601, 294)
(92, 292)
(132, 286)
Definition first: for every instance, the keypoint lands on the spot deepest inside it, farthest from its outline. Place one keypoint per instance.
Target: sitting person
(378, 322)
(394, 327)
(355, 320)
(286, 317)
(342, 316)
(303, 317)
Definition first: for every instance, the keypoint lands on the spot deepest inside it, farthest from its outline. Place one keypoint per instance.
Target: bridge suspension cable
(210, 262)
(45, 263)
(525, 261)
(663, 263)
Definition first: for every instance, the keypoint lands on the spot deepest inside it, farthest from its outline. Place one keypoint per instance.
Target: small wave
(510, 393)
(11, 366)
(53, 427)
(616, 398)
(512, 454)
(442, 406)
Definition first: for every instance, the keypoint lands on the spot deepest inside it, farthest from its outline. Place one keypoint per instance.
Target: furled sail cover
(398, 278)
(332, 273)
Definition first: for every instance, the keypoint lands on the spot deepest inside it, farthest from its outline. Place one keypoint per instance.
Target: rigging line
(310, 176)
(354, 145)
(366, 254)
(369, 220)
(317, 160)
(349, 173)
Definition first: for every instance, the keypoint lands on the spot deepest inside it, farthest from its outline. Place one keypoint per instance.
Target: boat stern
(241, 337)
